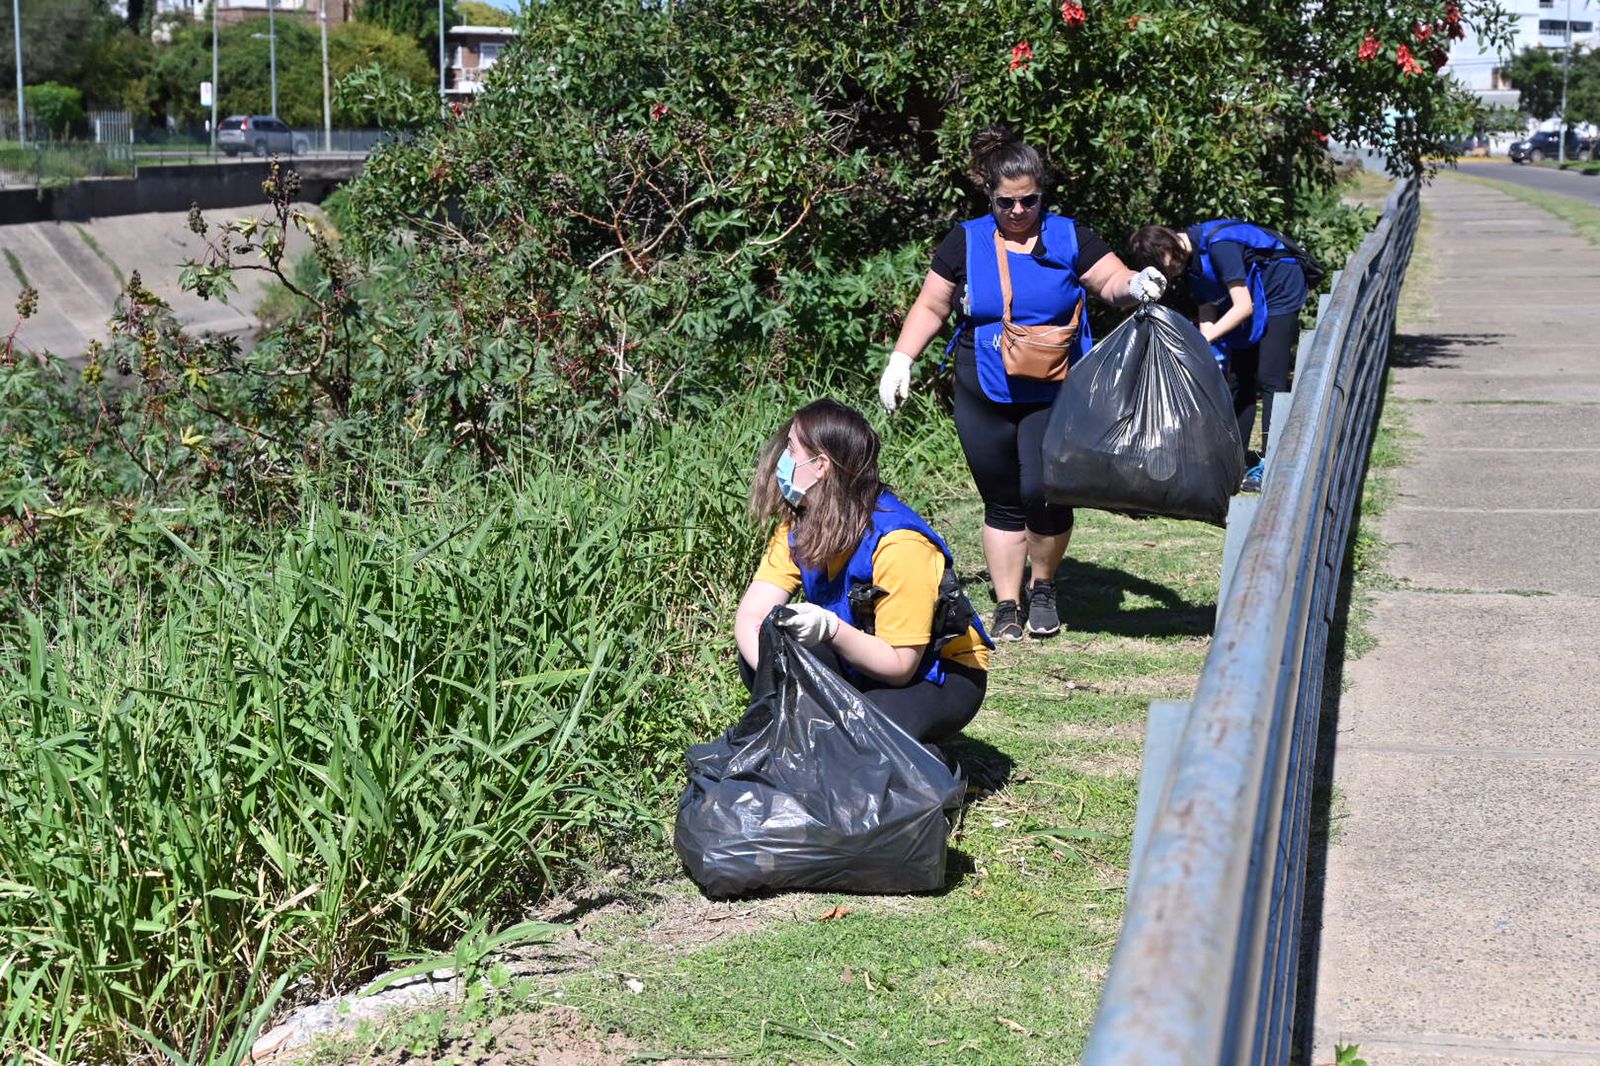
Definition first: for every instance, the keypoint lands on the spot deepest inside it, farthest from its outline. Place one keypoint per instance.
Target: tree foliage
(1583, 92)
(417, 19)
(1536, 75)
(244, 73)
(81, 44)
(59, 108)
(479, 13)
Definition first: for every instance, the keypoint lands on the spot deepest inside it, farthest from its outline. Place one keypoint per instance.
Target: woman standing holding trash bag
(883, 606)
(1019, 274)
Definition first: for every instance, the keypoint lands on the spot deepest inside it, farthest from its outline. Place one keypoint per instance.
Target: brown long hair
(838, 508)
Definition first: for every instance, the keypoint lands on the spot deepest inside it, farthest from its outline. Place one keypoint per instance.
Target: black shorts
(1004, 446)
(1265, 365)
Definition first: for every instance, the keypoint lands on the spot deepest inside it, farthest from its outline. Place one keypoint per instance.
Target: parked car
(1473, 144)
(1546, 145)
(260, 135)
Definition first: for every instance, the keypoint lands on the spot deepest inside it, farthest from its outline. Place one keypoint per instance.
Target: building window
(489, 55)
(1546, 5)
(1558, 28)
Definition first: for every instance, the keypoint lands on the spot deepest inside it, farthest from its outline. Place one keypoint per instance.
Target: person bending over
(1250, 283)
(882, 605)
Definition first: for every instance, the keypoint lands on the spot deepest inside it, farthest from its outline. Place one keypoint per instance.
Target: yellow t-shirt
(908, 567)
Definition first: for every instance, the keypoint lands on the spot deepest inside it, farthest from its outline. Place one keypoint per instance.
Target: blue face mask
(786, 468)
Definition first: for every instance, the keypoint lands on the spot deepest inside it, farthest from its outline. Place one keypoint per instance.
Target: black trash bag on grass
(814, 789)
(1144, 425)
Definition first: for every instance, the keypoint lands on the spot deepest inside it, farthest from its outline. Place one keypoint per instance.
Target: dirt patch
(551, 1036)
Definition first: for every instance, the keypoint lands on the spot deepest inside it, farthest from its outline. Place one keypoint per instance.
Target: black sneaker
(1007, 624)
(1043, 621)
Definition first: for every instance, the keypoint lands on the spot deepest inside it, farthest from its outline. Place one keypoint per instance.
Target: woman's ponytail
(1000, 155)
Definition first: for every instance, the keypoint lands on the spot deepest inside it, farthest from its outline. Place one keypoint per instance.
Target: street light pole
(327, 99)
(22, 114)
(216, 89)
(272, 50)
(441, 50)
(1566, 66)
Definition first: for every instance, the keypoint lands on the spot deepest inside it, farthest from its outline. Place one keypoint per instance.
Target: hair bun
(985, 143)
(998, 153)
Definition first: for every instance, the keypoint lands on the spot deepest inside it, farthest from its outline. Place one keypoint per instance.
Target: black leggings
(1263, 369)
(1004, 445)
(931, 713)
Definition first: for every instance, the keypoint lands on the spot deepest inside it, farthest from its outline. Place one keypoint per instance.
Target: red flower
(1457, 31)
(1452, 12)
(456, 109)
(1133, 22)
(658, 112)
(1423, 32)
(1021, 54)
(1407, 62)
(1440, 59)
(1368, 50)
(1073, 14)
(1320, 136)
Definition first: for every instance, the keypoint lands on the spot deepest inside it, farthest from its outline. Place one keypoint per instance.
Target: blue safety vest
(1045, 291)
(834, 592)
(1262, 245)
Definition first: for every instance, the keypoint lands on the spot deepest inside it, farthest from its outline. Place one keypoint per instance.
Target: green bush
(59, 108)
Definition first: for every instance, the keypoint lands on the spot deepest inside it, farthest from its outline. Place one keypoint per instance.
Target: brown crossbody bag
(1040, 352)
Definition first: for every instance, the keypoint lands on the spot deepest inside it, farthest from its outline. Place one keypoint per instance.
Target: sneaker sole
(1042, 634)
(1008, 638)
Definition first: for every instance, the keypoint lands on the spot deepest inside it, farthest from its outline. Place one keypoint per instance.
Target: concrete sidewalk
(1461, 919)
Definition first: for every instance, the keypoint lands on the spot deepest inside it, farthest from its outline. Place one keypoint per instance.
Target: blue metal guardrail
(1205, 969)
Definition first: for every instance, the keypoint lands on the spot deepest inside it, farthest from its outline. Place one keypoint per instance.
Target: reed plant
(314, 751)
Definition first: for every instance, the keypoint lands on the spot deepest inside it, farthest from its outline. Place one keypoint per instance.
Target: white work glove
(895, 385)
(1147, 285)
(809, 624)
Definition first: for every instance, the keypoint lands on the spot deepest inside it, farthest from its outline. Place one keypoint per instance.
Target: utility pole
(327, 97)
(216, 89)
(272, 50)
(22, 114)
(441, 51)
(1566, 67)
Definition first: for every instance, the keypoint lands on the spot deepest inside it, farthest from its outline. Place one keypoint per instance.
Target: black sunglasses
(1006, 203)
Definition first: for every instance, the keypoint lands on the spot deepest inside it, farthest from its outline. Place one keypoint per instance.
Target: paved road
(1583, 187)
(1461, 919)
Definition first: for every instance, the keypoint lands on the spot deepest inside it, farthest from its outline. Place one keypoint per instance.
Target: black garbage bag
(814, 788)
(1144, 425)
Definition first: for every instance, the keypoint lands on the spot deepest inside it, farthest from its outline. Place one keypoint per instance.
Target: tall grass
(311, 752)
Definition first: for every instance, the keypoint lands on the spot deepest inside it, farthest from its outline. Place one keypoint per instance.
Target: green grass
(94, 246)
(16, 268)
(1584, 218)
